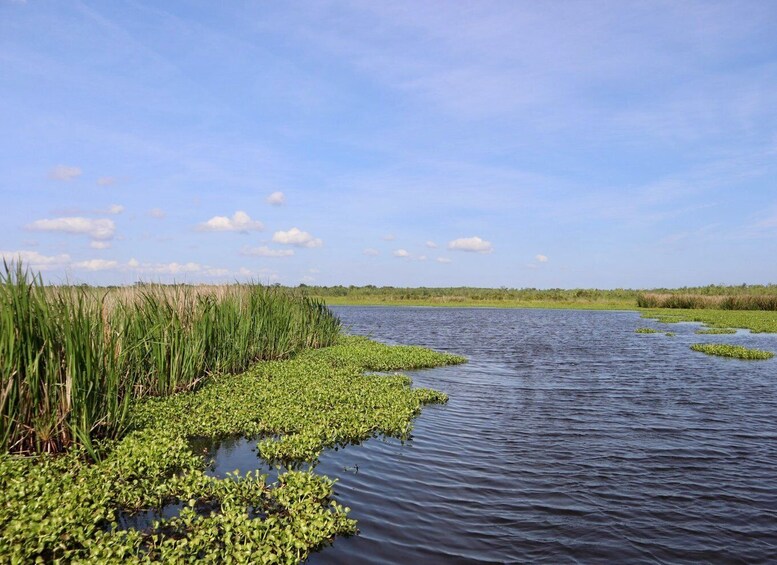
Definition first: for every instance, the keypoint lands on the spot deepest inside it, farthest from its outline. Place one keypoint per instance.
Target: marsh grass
(716, 331)
(735, 351)
(74, 358)
(715, 302)
(646, 331)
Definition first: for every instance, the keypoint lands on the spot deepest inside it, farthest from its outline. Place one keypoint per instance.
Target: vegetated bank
(297, 401)
(734, 351)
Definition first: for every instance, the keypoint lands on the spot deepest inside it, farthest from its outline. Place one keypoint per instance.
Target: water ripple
(568, 438)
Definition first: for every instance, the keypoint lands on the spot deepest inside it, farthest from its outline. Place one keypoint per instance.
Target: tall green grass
(72, 359)
(700, 301)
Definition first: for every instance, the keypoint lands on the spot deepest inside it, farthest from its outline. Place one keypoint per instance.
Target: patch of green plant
(754, 320)
(716, 331)
(735, 351)
(64, 508)
(72, 359)
(646, 331)
(670, 334)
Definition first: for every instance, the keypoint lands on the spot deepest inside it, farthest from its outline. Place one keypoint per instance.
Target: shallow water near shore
(567, 438)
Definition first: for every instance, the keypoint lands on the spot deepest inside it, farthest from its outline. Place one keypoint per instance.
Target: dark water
(567, 438)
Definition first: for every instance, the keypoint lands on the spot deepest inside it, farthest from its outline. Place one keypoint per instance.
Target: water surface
(567, 438)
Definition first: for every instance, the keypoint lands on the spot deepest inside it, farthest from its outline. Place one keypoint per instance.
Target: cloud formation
(370, 251)
(106, 181)
(443, 260)
(431, 245)
(401, 253)
(239, 222)
(100, 244)
(157, 213)
(35, 260)
(64, 172)
(100, 229)
(265, 251)
(471, 244)
(297, 237)
(276, 199)
(541, 258)
(95, 265)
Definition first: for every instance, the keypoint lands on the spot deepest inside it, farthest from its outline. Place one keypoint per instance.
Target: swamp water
(567, 438)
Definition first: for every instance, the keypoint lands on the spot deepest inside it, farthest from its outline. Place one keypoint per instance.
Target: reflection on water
(567, 437)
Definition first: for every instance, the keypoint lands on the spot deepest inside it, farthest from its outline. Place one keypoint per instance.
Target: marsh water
(567, 438)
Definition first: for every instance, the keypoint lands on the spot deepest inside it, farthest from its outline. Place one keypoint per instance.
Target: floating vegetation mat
(736, 351)
(646, 331)
(67, 509)
(716, 331)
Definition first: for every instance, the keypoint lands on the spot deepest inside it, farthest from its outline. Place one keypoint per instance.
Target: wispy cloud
(36, 260)
(371, 251)
(431, 245)
(276, 199)
(64, 172)
(100, 229)
(157, 213)
(472, 244)
(95, 244)
(265, 251)
(443, 260)
(107, 181)
(541, 258)
(297, 237)
(401, 253)
(95, 265)
(239, 222)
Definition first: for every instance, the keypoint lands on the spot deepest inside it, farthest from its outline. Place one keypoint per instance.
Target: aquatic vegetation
(65, 508)
(716, 331)
(754, 320)
(72, 359)
(670, 334)
(735, 351)
(646, 331)
(765, 300)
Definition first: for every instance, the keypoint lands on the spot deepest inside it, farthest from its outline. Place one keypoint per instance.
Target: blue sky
(518, 144)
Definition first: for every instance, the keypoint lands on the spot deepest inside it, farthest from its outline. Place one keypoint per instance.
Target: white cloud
(96, 229)
(217, 272)
(115, 209)
(100, 244)
(95, 265)
(541, 258)
(371, 252)
(265, 251)
(389, 237)
(401, 253)
(471, 244)
(431, 245)
(64, 172)
(173, 268)
(443, 260)
(156, 213)
(276, 199)
(240, 222)
(421, 257)
(297, 237)
(106, 181)
(35, 260)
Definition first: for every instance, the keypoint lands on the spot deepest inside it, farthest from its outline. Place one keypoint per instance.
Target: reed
(74, 358)
(701, 301)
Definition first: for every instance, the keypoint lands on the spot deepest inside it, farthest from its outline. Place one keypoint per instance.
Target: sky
(521, 144)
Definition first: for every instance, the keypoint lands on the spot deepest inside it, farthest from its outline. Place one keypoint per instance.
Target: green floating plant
(735, 351)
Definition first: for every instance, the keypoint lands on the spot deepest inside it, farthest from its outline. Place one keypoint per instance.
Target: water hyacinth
(735, 351)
